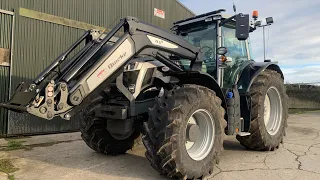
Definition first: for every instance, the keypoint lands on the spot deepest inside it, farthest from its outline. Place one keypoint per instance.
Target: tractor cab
(214, 30)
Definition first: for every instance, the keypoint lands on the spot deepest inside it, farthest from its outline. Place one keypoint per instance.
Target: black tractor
(183, 91)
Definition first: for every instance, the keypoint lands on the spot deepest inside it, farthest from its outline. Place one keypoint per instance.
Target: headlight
(130, 77)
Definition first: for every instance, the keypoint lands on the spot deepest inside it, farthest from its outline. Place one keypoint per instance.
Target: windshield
(203, 37)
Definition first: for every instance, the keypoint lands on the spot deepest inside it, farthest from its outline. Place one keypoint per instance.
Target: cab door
(237, 57)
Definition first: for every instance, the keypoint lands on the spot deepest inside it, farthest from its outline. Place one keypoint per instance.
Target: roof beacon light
(255, 15)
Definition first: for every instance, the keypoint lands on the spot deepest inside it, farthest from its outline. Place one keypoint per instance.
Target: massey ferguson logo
(117, 60)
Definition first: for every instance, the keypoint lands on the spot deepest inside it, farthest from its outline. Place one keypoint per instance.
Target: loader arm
(96, 65)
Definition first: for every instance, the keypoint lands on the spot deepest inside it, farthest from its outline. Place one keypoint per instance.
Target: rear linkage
(88, 71)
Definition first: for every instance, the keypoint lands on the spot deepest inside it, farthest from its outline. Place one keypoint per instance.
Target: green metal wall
(37, 43)
(4, 86)
(104, 12)
(5, 42)
(5, 30)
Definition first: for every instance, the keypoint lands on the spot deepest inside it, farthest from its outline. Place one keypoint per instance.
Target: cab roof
(216, 13)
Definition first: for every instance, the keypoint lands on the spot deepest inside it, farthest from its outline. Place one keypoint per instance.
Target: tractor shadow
(74, 160)
(233, 145)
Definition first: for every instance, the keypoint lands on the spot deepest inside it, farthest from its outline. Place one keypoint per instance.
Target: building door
(6, 39)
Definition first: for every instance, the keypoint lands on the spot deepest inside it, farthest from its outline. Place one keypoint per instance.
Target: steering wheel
(207, 54)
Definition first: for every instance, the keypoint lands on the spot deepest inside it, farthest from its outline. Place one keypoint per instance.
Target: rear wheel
(269, 112)
(185, 131)
(95, 134)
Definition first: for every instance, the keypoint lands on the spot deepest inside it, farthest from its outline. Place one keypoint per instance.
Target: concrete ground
(65, 156)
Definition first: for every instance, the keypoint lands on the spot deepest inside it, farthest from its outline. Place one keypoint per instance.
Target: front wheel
(184, 134)
(269, 112)
(96, 135)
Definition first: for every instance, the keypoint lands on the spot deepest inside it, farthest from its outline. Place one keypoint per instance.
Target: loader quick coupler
(20, 98)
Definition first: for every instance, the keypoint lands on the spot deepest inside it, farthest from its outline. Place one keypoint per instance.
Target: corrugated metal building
(34, 32)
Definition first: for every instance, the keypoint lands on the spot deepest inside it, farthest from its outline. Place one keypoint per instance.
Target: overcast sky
(294, 38)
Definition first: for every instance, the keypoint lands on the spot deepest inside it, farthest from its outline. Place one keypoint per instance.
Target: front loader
(182, 90)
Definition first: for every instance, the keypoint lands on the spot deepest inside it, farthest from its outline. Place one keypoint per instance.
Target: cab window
(237, 50)
(203, 37)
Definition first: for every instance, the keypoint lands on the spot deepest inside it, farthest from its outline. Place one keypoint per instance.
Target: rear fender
(248, 75)
(259, 67)
(252, 71)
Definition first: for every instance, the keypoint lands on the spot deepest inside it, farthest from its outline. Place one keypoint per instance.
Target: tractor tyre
(269, 113)
(95, 134)
(185, 132)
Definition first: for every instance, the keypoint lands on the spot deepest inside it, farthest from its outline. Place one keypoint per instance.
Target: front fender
(201, 79)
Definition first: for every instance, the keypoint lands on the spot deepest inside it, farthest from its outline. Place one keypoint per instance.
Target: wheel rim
(272, 111)
(199, 149)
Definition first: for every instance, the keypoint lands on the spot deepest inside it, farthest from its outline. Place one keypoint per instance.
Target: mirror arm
(252, 29)
(227, 20)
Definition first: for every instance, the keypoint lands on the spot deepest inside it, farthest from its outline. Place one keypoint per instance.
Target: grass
(11, 177)
(15, 145)
(7, 167)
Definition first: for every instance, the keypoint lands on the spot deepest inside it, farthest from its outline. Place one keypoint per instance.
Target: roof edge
(178, 1)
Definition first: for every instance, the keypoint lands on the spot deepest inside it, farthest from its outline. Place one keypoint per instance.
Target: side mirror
(222, 51)
(242, 26)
